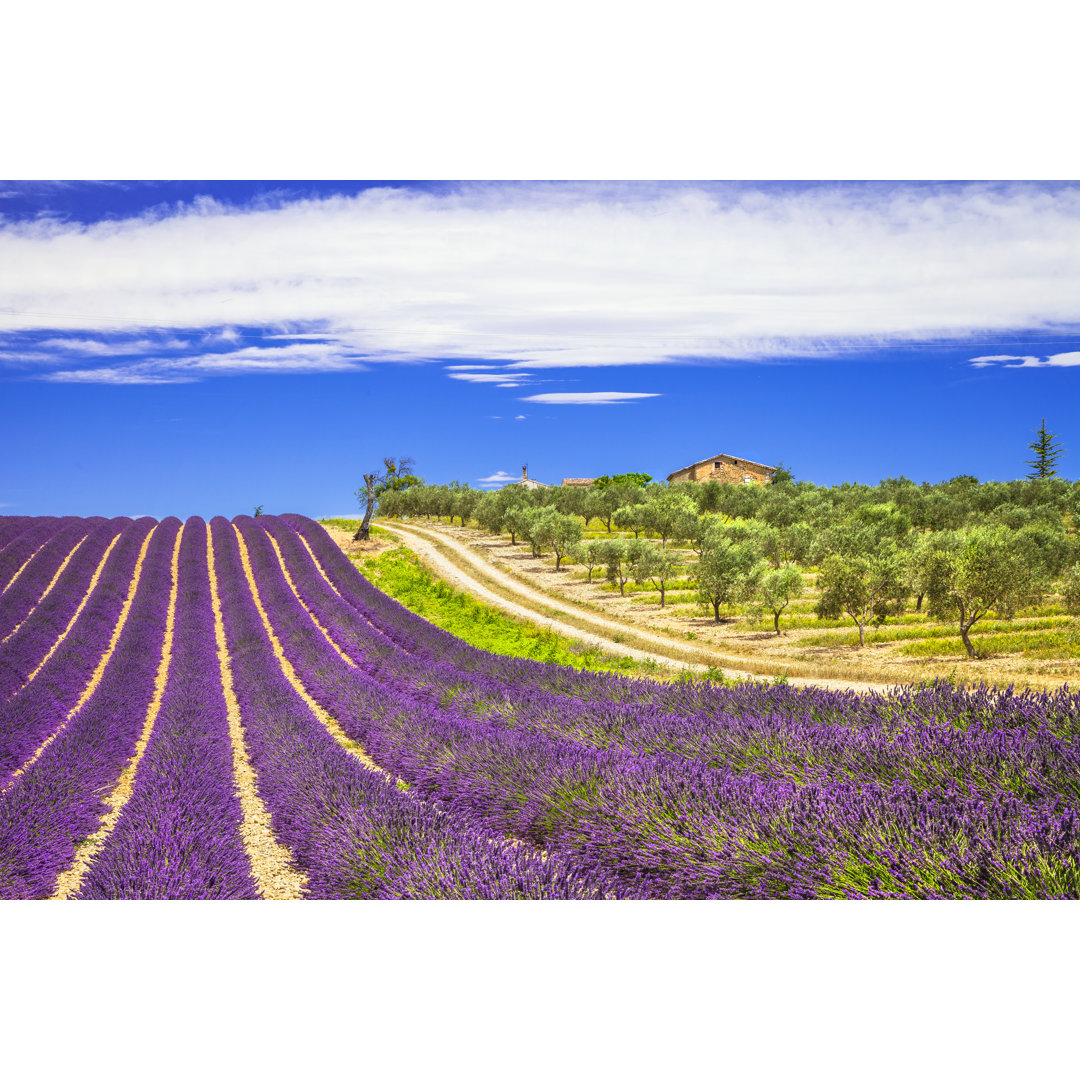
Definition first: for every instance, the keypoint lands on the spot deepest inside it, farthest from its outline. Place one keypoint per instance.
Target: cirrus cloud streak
(1066, 359)
(596, 397)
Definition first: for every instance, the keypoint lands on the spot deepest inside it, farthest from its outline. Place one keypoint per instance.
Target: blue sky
(201, 347)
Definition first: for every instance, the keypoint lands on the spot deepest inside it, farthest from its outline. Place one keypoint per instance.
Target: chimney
(524, 472)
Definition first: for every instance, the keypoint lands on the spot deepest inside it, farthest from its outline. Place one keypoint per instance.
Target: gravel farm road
(470, 572)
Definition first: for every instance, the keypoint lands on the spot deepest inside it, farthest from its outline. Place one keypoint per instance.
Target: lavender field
(230, 710)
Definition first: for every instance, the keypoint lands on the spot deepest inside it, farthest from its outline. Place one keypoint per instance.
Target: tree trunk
(966, 640)
(776, 622)
(918, 603)
(862, 634)
(661, 594)
(716, 610)
(558, 560)
(362, 532)
(512, 540)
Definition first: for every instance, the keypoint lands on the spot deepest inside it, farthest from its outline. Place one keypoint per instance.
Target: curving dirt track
(590, 628)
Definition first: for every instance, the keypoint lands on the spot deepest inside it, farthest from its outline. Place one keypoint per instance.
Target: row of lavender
(926, 793)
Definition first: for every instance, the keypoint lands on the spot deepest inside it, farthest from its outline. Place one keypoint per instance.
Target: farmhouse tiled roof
(727, 457)
(578, 481)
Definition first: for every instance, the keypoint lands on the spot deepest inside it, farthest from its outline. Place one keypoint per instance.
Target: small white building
(526, 482)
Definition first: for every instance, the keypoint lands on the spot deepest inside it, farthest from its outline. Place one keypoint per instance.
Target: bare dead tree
(375, 483)
(366, 495)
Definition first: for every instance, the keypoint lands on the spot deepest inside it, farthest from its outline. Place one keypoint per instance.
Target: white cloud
(97, 347)
(519, 417)
(987, 361)
(280, 360)
(485, 377)
(117, 376)
(567, 276)
(1067, 359)
(497, 478)
(599, 397)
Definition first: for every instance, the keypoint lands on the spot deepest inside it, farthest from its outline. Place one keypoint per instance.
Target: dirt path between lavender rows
(471, 577)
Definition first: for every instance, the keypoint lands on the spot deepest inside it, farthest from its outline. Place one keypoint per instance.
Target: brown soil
(367, 548)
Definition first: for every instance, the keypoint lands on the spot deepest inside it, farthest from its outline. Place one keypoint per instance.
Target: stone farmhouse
(726, 469)
(578, 481)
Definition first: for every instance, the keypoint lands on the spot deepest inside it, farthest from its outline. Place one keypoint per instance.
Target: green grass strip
(1063, 644)
(948, 630)
(398, 573)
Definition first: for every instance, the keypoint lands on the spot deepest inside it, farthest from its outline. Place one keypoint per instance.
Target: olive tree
(983, 569)
(708, 530)
(533, 530)
(927, 563)
(726, 572)
(550, 529)
(619, 557)
(462, 503)
(602, 503)
(1046, 546)
(589, 555)
(860, 585)
(656, 565)
(797, 540)
(515, 521)
(666, 510)
(1070, 593)
(490, 512)
(777, 588)
(631, 517)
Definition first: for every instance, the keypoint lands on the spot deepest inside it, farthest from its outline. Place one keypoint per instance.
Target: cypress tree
(1046, 454)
